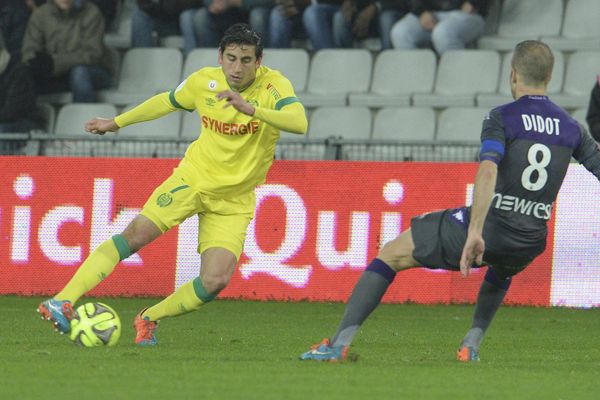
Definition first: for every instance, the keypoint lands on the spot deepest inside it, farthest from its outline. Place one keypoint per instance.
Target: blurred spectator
(446, 24)
(18, 110)
(14, 15)
(165, 17)
(593, 113)
(323, 30)
(63, 48)
(390, 11)
(108, 8)
(212, 21)
(338, 23)
(285, 22)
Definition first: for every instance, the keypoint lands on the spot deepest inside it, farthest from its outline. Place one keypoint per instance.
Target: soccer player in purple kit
(526, 148)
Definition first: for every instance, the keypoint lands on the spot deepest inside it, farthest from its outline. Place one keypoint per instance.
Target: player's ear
(548, 79)
(220, 56)
(258, 61)
(513, 76)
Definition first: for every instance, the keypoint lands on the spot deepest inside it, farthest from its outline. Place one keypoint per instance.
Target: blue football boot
(325, 352)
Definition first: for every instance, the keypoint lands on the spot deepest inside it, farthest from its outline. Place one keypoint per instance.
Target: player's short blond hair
(533, 61)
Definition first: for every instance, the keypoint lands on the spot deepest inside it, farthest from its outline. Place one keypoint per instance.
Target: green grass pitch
(249, 350)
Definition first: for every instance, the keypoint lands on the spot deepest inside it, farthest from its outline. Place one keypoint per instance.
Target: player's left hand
(472, 254)
(235, 100)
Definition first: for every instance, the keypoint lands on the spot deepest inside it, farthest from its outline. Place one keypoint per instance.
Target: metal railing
(42, 144)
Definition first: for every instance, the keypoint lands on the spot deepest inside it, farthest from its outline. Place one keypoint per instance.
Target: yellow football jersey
(234, 150)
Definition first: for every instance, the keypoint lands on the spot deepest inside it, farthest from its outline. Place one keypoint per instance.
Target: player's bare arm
(485, 182)
(100, 126)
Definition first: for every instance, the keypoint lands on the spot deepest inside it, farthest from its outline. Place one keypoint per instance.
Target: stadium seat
(490, 100)
(581, 70)
(199, 58)
(145, 72)
(334, 73)
(144, 138)
(71, 118)
(49, 116)
(165, 127)
(174, 41)
(348, 123)
(70, 121)
(191, 126)
(524, 19)
(581, 30)
(115, 58)
(461, 75)
(59, 98)
(410, 128)
(460, 124)
(293, 64)
(340, 122)
(396, 76)
(411, 124)
(459, 133)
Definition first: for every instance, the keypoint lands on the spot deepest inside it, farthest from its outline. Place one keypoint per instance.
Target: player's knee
(135, 239)
(215, 282)
(140, 232)
(395, 255)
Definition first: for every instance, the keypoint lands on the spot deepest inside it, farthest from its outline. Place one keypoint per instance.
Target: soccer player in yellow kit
(243, 106)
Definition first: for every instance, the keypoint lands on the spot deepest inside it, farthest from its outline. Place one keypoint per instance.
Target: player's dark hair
(533, 60)
(242, 34)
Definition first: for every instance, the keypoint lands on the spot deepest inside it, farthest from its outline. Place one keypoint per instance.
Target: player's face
(239, 64)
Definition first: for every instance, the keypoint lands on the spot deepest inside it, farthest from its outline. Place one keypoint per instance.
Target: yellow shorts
(222, 222)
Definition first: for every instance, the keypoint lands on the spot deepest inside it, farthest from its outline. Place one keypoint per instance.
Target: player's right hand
(472, 254)
(100, 126)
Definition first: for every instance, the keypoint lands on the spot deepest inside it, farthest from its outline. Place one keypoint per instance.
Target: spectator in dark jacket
(18, 110)
(165, 18)
(446, 24)
(108, 8)
(593, 113)
(14, 15)
(216, 16)
(64, 49)
(285, 23)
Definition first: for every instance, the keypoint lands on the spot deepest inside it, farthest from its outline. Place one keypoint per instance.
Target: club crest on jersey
(212, 85)
(164, 200)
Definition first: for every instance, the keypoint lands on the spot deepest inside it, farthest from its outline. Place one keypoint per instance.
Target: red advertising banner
(317, 226)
